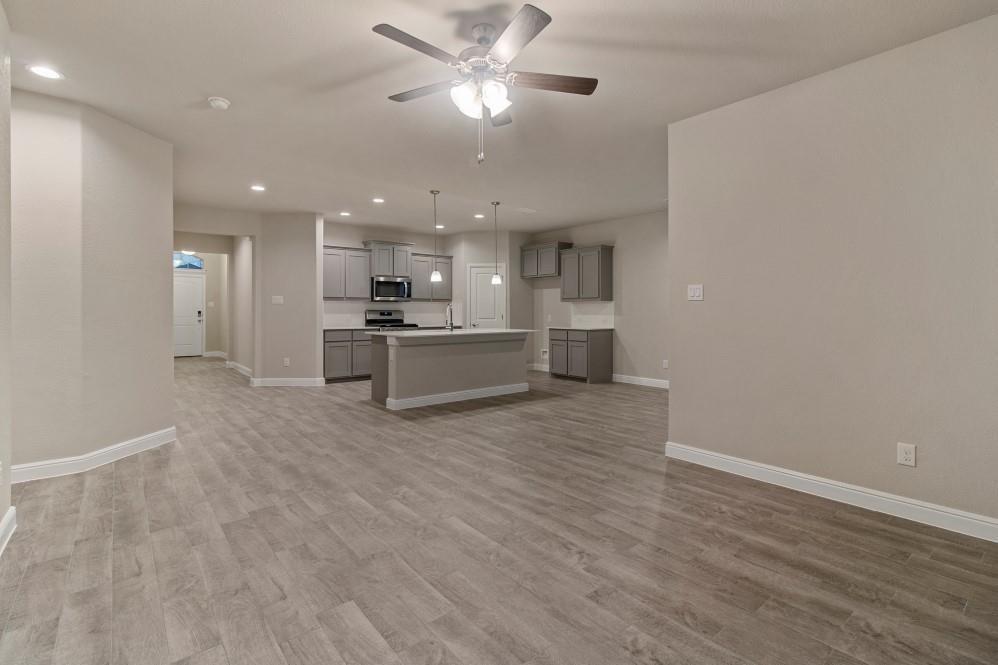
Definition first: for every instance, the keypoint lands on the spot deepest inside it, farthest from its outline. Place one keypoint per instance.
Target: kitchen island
(412, 368)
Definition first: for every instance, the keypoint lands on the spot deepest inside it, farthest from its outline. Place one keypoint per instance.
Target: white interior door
(188, 313)
(486, 301)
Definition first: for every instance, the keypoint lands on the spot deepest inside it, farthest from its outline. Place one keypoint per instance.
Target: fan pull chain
(481, 138)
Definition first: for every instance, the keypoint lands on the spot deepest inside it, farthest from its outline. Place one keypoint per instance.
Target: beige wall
(5, 344)
(638, 312)
(291, 247)
(844, 229)
(202, 242)
(216, 319)
(241, 302)
(92, 225)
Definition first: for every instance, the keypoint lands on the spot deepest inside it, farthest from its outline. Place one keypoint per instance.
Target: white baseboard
(641, 381)
(458, 396)
(951, 519)
(20, 473)
(7, 525)
(290, 383)
(215, 354)
(538, 367)
(242, 369)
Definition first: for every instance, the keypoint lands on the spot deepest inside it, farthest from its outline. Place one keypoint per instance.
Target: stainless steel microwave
(392, 289)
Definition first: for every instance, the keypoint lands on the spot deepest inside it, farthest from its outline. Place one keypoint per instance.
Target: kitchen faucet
(449, 317)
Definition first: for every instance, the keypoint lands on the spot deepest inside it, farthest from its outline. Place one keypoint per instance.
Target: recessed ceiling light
(219, 103)
(440, 226)
(258, 188)
(344, 214)
(45, 72)
(479, 215)
(377, 200)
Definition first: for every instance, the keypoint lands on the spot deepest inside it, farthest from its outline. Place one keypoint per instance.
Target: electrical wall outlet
(544, 353)
(906, 454)
(694, 291)
(665, 364)
(287, 362)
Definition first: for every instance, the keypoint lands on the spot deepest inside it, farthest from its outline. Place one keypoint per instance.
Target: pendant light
(435, 276)
(496, 277)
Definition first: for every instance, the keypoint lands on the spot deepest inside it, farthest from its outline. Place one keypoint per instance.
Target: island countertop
(456, 332)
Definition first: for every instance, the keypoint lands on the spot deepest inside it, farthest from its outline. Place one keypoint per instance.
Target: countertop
(587, 328)
(470, 332)
(375, 328)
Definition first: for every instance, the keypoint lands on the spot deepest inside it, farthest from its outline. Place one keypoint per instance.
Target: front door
(486, 301)
(188, 312)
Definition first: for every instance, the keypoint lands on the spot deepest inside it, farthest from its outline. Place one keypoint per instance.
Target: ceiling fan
(481, 91)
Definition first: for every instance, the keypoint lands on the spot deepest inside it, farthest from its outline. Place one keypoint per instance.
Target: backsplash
(338, 313)
(592, 314)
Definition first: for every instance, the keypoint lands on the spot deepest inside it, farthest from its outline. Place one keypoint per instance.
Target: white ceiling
(308, 82)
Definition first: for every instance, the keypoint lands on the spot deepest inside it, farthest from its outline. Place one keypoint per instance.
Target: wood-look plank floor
(294, 526)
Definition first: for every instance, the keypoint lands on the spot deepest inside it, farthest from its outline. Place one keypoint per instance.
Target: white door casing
(486, 302)
(188, 312)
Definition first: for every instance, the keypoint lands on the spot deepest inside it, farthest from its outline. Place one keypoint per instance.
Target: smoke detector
(219, 103)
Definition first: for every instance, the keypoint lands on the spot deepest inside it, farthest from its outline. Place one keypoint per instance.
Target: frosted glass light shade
(494, 96)
(467, 99)
(435, 276)
(496, 279)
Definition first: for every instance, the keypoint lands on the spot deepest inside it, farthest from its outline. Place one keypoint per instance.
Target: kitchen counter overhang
(413, 368)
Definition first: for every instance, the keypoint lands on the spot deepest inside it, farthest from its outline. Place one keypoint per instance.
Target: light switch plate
(665, 364)
(694, 291)
(276, 300)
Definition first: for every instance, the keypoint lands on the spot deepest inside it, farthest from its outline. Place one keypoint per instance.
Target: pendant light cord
(495, 217)
(434, 192)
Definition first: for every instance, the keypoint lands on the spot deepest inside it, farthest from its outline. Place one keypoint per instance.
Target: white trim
(951, 519)
(458, 396)
(20, 473)
(641, 381)
(538, 367)
(242, 369)
(291, 383)
(7, 525)
(215, 354)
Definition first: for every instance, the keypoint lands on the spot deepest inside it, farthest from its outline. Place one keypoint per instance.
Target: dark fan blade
(526, 25)
(556, 82)
(422, 92)
(503, 118)
(406, 39)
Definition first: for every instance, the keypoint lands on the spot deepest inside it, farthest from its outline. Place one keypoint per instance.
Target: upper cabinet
(587, 273)
(390, 259)
(346, 273)
(422, 288)
(542, 260)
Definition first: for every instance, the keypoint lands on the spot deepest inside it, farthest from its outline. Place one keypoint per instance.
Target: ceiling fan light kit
(485, 79)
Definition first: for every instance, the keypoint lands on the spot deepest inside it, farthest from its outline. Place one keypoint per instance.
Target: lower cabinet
(361, 359)
(581, 354)
(347, 354)
(337, 360)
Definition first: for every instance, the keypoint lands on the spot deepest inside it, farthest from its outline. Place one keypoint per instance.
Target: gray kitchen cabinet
(336, 360)
(361, 359)
(569, 275)
(528, 262)
(578, 359)
(422, 266)
(382, 262)
(402, 261)
(558, 356)
(333, 280)
(543, 260)
(422, 288)
(581, 354)
(358, 274)
(442, 290)
(390, 259)
(587, 273)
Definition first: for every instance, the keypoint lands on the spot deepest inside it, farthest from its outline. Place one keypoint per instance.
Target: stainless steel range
(386, 318)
